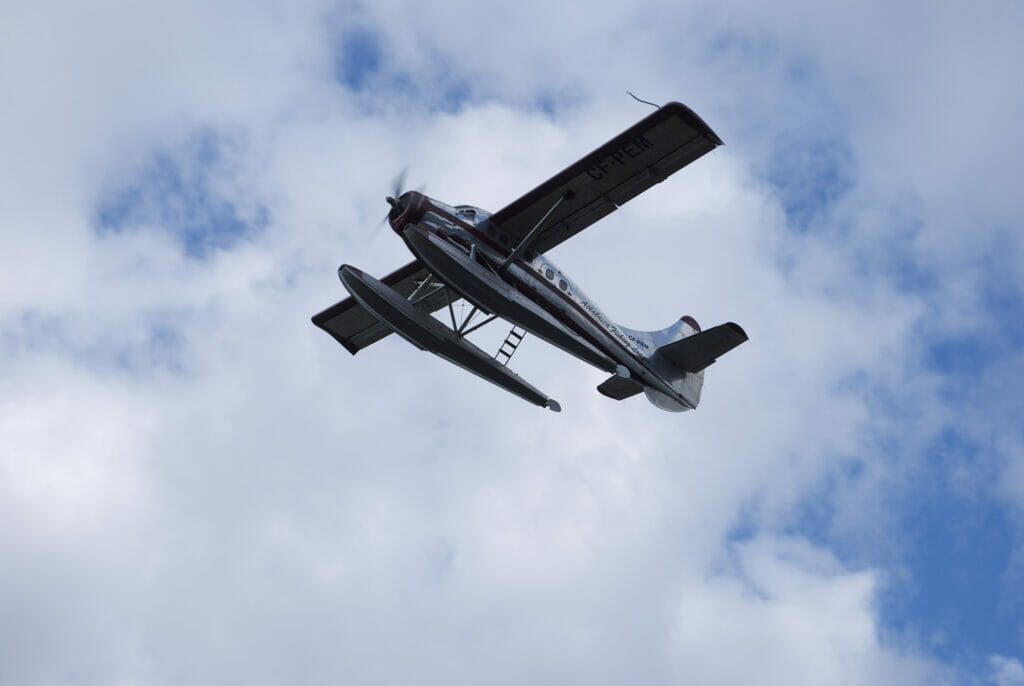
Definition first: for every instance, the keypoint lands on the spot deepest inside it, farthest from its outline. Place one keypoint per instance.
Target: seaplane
(496, 263)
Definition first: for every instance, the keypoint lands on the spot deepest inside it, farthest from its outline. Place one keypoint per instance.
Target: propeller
(397, 188)
(397, 202)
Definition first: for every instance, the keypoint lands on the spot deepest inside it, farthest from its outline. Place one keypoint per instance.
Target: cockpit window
(467, 212)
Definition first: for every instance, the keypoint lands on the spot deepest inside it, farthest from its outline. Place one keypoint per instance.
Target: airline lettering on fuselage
(618, 157)
(609, 326)
(636, 340)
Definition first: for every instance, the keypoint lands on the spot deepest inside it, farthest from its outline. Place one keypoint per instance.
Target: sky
(198, 486)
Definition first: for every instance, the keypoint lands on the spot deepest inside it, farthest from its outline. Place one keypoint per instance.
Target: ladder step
(511, 342)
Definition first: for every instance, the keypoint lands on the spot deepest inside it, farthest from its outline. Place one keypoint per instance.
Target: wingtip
(553, 405)
(739, 330)
(693, 119)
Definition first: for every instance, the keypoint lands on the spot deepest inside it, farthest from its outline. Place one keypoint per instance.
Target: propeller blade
(398, 184)
(397, 191)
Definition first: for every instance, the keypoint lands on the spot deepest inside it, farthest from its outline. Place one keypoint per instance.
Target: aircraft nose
(399, 209)
(397, 206)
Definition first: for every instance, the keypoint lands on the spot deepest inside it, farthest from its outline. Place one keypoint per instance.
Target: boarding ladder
(512, 341)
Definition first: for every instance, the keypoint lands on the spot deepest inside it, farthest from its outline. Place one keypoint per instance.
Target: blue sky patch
(802, 133)
(964, 354)
(454, 94)
(179, 191)
(999, 337)
(358, 58)
(749, 47)
(1003, 300)
(897, 258)
(809, 176)
(438, 88)
(361, 65)
(959, 543)
(950, 590)
(429, 82)
(141, 344)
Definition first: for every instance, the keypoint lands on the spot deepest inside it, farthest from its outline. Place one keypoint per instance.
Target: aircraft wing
(643, 155)
(355, 328)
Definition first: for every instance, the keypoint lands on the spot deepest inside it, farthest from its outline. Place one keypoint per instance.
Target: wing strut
(465, 332)
(462, 329)
(534, 232)
(451, 311)
(419, 289)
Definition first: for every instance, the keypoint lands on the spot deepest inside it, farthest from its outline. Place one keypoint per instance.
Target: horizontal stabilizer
(620, 388)
(694, 353)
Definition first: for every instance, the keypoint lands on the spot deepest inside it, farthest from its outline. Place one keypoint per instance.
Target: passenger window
(550, 274)
(562, 284)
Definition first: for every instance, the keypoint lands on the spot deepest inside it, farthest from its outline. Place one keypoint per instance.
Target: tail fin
(679, 355)
(682, 363)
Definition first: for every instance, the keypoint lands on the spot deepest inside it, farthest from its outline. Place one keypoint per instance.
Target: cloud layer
(197, 485)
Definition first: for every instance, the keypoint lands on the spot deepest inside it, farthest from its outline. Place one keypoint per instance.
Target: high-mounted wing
(355, 328)
(643, 155)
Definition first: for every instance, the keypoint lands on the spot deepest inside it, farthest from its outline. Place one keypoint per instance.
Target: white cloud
(1006, 671)
(245, 501)
(787, 614)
